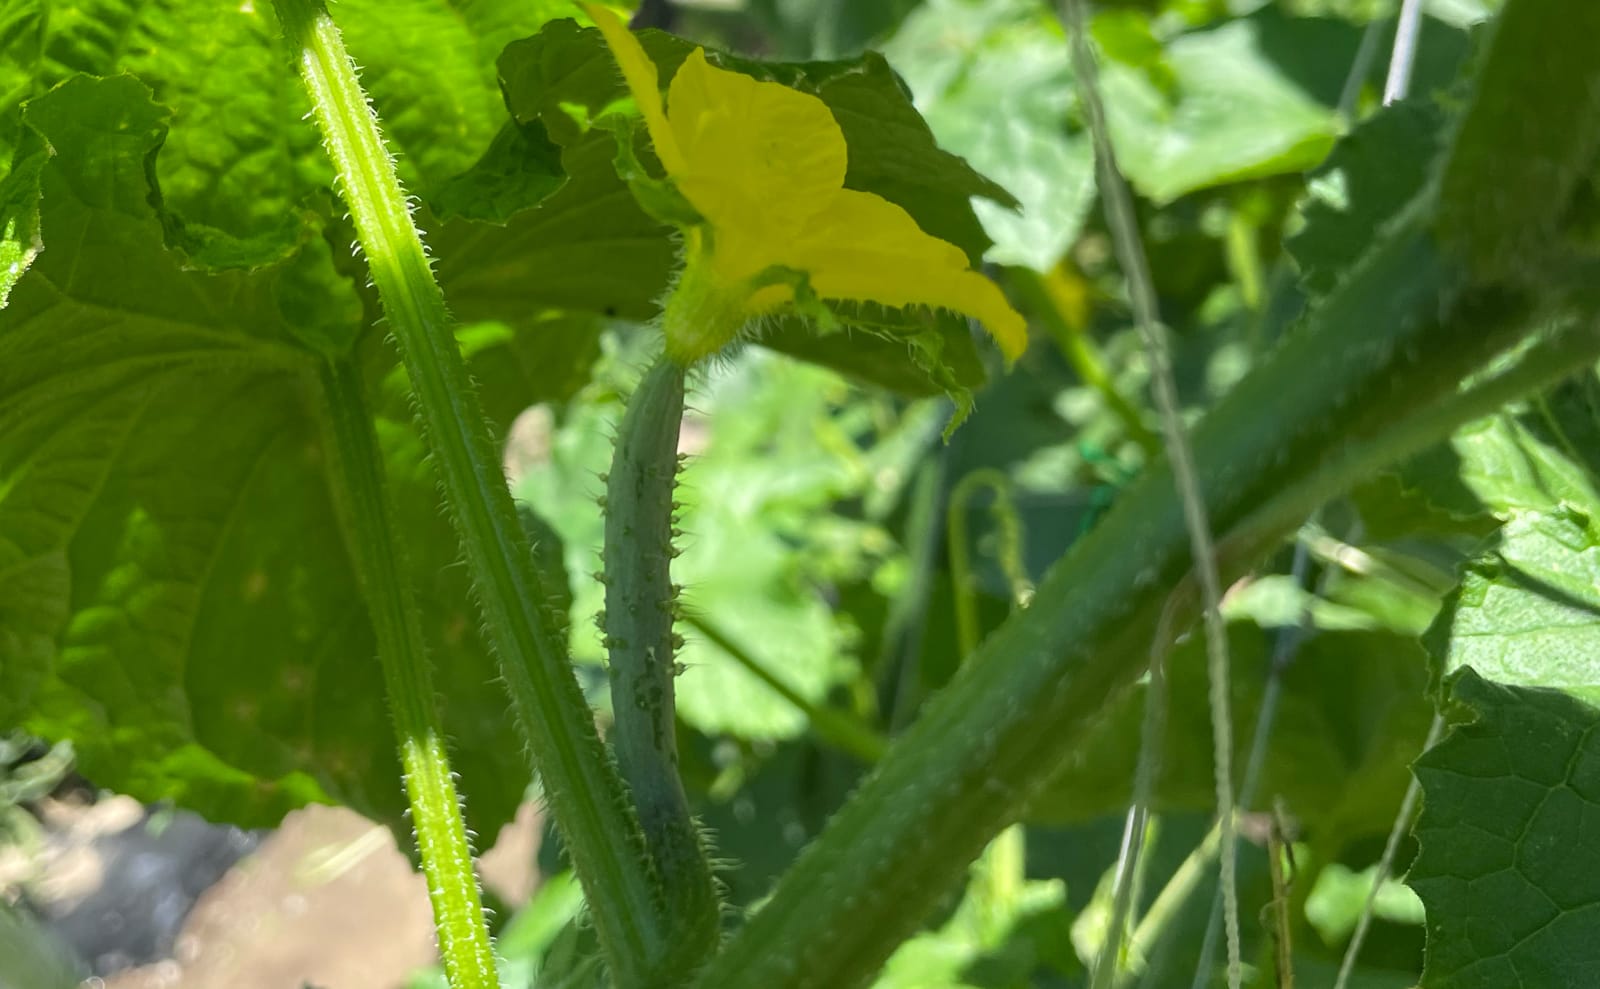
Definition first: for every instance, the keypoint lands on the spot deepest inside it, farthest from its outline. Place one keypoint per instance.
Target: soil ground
(325, 900)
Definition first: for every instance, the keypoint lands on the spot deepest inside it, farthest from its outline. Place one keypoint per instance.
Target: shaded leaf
(1365, 183)
(884, 358)
(1508, 870)
(162, 447)
(520, 168)
(1351, 718)
(827, 28)
(587, 247)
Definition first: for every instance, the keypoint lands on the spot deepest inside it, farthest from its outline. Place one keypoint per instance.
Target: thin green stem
(1124, 228)
(1244, 263)
(1391, 848)
(837, 729)
(1078, 347)
(1178, 891)
(903, 628)
(362, 493)
(1283, 654)
(1136, 833)
(581, 784)
(958, 545)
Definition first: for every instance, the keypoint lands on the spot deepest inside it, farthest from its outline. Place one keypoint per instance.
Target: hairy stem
(361, 491)
(642, 646)
(581, 785)
(1361, 384)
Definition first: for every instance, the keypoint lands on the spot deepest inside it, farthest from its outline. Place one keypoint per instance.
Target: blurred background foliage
(820, 515)
(839, 557)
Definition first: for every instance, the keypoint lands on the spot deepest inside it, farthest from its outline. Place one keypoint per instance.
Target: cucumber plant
(189, 626)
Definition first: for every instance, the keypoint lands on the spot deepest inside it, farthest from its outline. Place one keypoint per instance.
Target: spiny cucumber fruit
(641, 644)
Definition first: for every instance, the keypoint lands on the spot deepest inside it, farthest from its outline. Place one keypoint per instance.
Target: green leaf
(1230, 114)
(520, 168)
(22, 35)
(1526, 608)
(1505, 794)
(429, 68)
(1510, 823)
(161, 456)
(19, 213)
(1335, 905)
(1367, 180)
(239, 159)
(886, 355)
(588, 247)
(994, 82)
(1510, 467)
(240, 167)
(1528, 141)
(1526, 612)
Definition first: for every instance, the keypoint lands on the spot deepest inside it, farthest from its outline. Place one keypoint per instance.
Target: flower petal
(866, 249)
(758, 155)
(639, 72)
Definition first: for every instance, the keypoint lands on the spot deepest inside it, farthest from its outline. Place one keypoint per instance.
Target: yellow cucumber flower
(764, 166)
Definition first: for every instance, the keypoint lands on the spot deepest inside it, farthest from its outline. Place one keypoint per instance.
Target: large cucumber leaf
(178, 596)
(1509, 797)
(1510, 825)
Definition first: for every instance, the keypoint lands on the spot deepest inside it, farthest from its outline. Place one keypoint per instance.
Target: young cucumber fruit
(641, 644)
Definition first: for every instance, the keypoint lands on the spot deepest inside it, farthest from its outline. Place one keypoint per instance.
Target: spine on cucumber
(642, 645)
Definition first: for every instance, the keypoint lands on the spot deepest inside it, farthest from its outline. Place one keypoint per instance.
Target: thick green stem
(362, 493)
(1386, 349)
(581, 785)
(642, 647)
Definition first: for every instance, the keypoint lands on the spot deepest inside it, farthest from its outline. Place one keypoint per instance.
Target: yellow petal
(643, 82)
(757, 155)
(866, 249)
